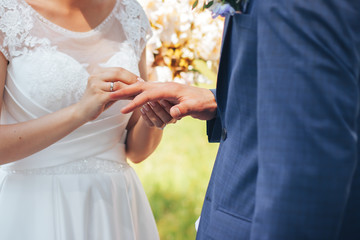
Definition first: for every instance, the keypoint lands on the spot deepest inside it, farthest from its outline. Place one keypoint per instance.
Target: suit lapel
(222, 79)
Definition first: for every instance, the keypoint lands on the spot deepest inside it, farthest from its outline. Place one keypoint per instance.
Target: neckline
(68, 31)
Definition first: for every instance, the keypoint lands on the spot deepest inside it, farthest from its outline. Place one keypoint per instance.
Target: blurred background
(185, 47)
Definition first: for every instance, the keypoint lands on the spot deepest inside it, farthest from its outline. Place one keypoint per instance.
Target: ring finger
(112, 86)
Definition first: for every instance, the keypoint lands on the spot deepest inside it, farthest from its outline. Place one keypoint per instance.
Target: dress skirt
(102, 205)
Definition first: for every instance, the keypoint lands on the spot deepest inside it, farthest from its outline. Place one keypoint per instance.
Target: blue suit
(288, 124)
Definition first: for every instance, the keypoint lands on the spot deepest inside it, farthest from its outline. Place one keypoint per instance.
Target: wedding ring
(111, 86)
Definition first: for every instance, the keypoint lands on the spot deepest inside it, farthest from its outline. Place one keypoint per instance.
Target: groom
(286, 113)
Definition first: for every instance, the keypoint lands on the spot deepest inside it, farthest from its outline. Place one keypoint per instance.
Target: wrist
(77, 115)
(211, 104)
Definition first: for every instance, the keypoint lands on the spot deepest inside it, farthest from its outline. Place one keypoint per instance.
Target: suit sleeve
(213, 127)
(308, 102)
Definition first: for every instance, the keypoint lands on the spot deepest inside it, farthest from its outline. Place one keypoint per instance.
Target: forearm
(142, 141)
(20, 140)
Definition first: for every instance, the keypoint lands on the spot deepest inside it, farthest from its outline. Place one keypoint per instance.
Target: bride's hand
(157, 113)
(97, 97)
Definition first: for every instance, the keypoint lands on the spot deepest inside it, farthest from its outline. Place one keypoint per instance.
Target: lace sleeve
(136, 25)
(3, 48)
(146, 31)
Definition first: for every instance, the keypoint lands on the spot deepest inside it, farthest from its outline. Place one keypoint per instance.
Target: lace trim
(84, 166)
(16, 23)
(67, 31)
(3, 51)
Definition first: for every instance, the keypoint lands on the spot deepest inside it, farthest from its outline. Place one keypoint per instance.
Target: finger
(181, 110)
(145, 95)
(155, 119)
(176, 113)
(161, 112)
(118, 74)
(166, 105)
(153, 90)
(146, 118)
(187, 108)
(138, 101)
(118, 85)
(109, 86)
(128, 91)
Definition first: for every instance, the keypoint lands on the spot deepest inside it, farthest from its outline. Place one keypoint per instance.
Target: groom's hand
(186, 100)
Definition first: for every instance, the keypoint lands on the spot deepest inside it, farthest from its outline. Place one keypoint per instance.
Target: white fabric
(81, 187)
(197, 223)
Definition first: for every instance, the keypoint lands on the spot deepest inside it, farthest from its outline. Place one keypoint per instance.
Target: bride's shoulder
(132, 16)
(14, 16)
(130, 8)
(8, 3)
(134, 22)
(15, 24)
(11, 11)
(9, 14)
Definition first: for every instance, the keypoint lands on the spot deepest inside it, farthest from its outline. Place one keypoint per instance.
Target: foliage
(181, 36)
(185, 47)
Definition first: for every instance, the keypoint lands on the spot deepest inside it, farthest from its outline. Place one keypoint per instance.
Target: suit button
(223, 134)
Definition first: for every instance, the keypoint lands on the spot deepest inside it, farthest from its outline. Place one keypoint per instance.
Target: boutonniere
(224, 7)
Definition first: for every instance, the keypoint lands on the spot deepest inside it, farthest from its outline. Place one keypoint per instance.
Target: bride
(63, 140)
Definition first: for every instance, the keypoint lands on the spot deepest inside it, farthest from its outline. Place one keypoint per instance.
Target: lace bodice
(51, 64)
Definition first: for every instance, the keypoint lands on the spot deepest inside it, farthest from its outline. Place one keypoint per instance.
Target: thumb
(179, 111)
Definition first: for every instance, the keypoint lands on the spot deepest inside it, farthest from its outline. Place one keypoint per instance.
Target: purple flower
(222, 10)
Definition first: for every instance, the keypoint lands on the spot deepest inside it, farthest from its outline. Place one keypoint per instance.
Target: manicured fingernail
(140, 79)
(142, 111)
(152, 104)
(177, 111)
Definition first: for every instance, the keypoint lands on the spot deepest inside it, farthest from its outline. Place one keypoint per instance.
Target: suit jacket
(287, 122)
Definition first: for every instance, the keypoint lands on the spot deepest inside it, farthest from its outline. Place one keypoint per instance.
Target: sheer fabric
(80, 187)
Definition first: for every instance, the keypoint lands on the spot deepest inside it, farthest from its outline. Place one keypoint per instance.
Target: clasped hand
(98, 97)
(168, 100)
(159, 103)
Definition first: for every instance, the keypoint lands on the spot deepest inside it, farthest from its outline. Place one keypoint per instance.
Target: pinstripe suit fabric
(287, 122)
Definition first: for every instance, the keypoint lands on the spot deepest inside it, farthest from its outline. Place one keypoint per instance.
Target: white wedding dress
(80, 188)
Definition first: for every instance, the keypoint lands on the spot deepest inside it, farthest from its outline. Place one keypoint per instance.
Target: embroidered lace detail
(135, 23)
(84, 166)
(64, 89)
(125, 57)
(3, 50)
(16, 23)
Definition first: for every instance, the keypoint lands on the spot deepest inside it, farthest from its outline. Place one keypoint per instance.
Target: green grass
(175, 177)
(201, 66)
